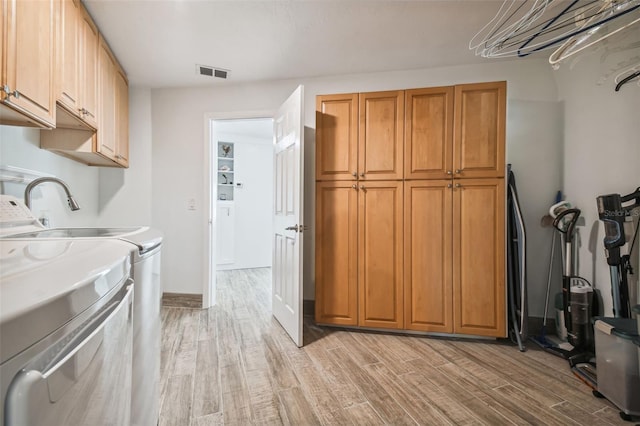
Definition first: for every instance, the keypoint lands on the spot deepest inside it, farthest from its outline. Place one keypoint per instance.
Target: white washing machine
(66, 332)
(145, 244)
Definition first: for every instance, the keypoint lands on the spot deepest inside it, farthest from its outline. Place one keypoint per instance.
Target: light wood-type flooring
(234, 365)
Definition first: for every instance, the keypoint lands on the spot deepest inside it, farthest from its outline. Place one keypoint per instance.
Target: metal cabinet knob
(449, 185)
(362, 187)
(6, 89)
(449, 172)
(361, 174)
(458, 185)
(354, 174)
(354, 186)
(458, 171)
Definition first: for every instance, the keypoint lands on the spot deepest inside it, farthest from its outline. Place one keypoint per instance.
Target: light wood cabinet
(381, 135)
(479, 257)
(109, 146)
(77, 66)
(427, 198)
(429, 133)
(106, 138)
(122, 117)
(479, 130)
(380, 247)
(428, 256)
(337, 137)
(336, 255)
(27, 86)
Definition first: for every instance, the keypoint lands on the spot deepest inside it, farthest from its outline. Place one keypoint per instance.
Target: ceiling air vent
(211, 71)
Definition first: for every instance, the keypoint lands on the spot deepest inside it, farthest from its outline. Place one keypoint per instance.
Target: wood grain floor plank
(377, 396)
(206, 389)
(379, 345)
(265, 404)
(207, 326)
(544, 414)
(278, 364)
(362, 355)
(363, 415)
(216, 419)
(235, 395)
(176, 404)
(406, 396)
(298, 409)
(576, 414)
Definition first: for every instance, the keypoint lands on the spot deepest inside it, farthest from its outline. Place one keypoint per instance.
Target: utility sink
(74, 233)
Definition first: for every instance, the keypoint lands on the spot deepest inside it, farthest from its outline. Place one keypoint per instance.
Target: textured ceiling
(159, 42)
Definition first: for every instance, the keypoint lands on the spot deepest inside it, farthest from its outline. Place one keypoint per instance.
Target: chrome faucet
(73, 205)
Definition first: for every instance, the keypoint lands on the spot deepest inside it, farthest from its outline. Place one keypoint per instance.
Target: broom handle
(546, 301)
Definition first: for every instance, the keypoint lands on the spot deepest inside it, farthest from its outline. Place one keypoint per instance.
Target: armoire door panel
(429, 133)
(380, 254)
(479, 257)
(479, 130)
(336, 253)
(428, 286)
(381, 145)
(336, 137)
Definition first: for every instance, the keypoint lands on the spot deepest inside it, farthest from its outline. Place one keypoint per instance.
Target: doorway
(239, 191)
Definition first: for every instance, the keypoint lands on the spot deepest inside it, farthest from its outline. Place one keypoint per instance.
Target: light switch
(191, 204)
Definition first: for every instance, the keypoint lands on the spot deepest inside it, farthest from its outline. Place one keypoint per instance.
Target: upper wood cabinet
(428, 267)
(337, 137)
(381, 135)
(27, 84)
(479, 130)
(122, 117)
(380, 273)
(336, 253)
(77, 66)
(428, 143)
(106, 138)
(479, 257)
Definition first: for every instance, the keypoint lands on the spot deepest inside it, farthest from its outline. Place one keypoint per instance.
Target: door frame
(208, 211)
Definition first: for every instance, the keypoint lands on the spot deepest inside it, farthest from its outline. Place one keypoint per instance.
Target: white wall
(253, 222)
(178, 166)
(602, 152)
(20, 147)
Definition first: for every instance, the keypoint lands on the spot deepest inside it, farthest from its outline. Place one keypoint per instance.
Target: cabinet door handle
(449, 172)
(6, 89)
(458, 171)
(362, 187)
(354, 186)
(361, 174)
(449, 185)
(458, 185)
(354, 174)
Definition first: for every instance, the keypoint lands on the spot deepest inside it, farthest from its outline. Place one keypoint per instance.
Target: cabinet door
(428, 149)
(106, 134)
(122, 118)
(336, 266)
(381, 134)
(479, 257)
(479, 130)
(428, 287)
(89, 86)
(28, 62)
(68, 66)
(336, 137)
(380, 254)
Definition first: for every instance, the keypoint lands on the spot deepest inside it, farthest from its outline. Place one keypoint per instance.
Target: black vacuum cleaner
(579, 306)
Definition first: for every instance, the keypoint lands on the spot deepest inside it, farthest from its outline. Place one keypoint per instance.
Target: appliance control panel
(14, 211)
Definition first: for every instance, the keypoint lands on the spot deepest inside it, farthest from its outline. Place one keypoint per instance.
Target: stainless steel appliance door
(84, 379)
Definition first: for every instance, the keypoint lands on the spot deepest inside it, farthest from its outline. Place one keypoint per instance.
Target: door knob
(292, 228)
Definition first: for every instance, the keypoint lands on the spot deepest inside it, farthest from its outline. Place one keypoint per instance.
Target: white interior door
(288, 130)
